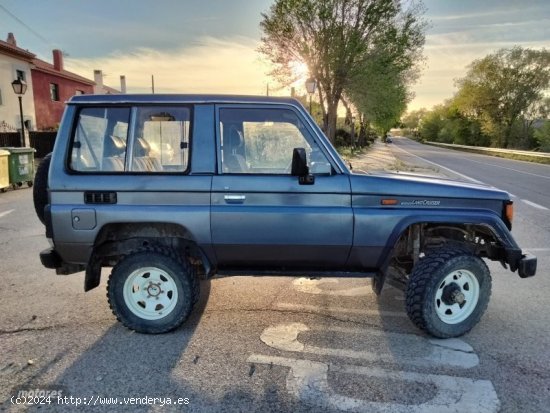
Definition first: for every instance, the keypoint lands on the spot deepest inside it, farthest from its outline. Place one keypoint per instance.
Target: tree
(500, 89)
(335, 38)
(412, 119)
(379, 91)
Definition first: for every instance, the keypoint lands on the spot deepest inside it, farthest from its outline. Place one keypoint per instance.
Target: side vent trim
(100, 197)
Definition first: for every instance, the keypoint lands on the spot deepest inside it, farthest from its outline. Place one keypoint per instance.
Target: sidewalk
(382, 157)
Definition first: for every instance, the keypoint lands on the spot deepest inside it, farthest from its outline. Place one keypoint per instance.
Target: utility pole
(267, 90)
(153, 83)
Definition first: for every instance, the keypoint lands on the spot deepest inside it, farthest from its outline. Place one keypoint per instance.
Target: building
(53, 86)
(15, 63)
(101, 89)
(49, 86)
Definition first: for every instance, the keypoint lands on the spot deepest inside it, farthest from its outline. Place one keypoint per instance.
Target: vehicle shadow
(126, 364)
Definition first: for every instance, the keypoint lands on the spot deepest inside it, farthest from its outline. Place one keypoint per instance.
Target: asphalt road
(267, 344)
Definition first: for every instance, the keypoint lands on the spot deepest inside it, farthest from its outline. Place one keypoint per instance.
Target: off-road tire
(40, 188)
(426, 278)
(166, 260)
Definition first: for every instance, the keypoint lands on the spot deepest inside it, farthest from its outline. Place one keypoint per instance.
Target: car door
(261, 216)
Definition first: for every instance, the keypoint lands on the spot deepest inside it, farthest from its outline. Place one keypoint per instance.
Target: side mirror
(300, 168)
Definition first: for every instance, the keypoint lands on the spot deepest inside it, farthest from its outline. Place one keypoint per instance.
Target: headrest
(141, 147)
(118, 143)
(235, 138)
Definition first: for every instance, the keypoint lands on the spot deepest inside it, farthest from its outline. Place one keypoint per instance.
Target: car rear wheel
(448, 292)
(151, 291)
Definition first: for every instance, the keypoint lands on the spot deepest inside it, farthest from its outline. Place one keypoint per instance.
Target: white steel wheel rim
(150, 293)
(463, 282)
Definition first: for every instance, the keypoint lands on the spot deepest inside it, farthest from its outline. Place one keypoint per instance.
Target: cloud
(210, 65)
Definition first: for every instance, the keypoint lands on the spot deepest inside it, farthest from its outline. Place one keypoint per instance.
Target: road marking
(407, 349)
(321, 310)
(309, 286)
(535, 205)
(537, 249)
(308, 382)
(3, 214)
(510, 169)
(441, 166)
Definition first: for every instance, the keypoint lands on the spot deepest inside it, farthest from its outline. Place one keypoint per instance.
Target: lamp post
(20, 87)
(311, 84)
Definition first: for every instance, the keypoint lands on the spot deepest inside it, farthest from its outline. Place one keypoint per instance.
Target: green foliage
(502, 89)
(336, 39)
(446, 124)
(542, 137)
(411, 120)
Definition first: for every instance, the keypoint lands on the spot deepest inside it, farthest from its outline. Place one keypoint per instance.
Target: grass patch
(348, 152)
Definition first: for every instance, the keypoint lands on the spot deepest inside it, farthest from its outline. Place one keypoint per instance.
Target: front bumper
(527, 266)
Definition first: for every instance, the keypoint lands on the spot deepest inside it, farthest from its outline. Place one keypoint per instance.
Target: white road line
(537, 249)
(322, 310)
(440, 166)
(308, 382)
(510, 169)
(3, 214)
(535, 205)
(408, 349)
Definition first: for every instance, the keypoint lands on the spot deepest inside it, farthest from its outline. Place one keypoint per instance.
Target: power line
(22, 23)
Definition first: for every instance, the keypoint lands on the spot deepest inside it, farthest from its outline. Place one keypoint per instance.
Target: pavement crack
(24, 329)
(297, 312)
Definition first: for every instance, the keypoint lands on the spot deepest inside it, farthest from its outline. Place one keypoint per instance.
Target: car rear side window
(100, 140)
(161, 139)
(103, 140)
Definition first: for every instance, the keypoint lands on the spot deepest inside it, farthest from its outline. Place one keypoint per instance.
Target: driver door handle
(234, 199)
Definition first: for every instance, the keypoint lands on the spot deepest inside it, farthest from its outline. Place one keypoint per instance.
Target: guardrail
(540, 157)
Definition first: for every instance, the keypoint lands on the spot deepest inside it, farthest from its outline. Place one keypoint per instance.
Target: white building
(15, 63)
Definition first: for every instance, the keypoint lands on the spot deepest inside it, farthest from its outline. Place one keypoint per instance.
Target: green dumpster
(21, 166)
(4, 170)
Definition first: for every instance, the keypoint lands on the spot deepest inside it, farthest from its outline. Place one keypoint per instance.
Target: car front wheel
(448, 292)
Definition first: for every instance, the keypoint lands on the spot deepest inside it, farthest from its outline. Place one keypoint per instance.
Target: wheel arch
(115, 240)
(482, 222)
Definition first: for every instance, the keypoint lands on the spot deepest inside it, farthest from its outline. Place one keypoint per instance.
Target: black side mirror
(300, 168)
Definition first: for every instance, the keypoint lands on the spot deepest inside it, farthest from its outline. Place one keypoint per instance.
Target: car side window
(261, 141)
(100, 140)
(161, 139)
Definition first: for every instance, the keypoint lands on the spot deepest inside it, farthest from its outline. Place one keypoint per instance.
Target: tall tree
(335, 38)
(501, 88)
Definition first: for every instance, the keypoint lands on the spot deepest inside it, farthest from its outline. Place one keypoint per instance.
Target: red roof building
(53, 86)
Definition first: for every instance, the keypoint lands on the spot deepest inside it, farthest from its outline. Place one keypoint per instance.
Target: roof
(9, 49)
(179, 98)
(108, 89)
(46, 67)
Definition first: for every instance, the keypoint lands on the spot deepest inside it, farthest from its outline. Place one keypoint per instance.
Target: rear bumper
(51, 259)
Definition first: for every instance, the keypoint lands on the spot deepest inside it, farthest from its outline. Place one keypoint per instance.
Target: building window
(21, 75)
(54, 92)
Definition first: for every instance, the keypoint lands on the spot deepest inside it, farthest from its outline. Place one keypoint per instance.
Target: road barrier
(539, 157)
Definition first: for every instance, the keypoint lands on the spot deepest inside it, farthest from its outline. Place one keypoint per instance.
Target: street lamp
(20, 87)
(311, 84)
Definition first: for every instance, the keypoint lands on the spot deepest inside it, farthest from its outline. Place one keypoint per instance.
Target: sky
(210, 46)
